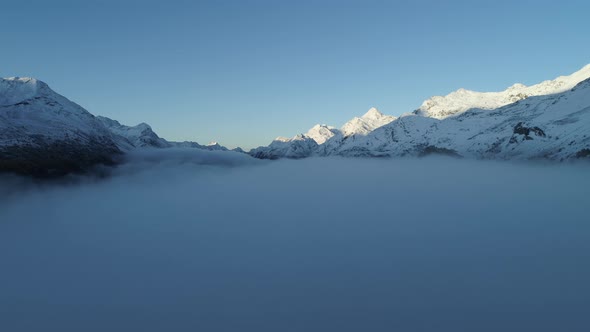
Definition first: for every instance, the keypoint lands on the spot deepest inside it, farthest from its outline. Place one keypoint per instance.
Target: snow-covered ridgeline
(549, 120)
(459, 101)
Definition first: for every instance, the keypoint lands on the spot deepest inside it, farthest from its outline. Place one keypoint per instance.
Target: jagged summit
(372, 113)
(370, 121)
(320, 126)
(30, 81)
(214, 146)
(282, 139)
(321, 133)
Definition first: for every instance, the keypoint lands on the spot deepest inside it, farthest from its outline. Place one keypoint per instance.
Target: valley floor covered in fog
(223, 242)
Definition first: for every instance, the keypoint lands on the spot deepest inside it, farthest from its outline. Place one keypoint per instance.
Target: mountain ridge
(42, 133)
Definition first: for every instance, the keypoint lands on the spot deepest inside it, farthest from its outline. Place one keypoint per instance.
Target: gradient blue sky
(244, 72)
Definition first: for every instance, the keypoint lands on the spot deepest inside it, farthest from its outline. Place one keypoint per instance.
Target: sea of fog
(184, 240)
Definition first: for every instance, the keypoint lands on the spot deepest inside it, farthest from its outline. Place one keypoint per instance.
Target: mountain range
(42, 133)
(550, 120)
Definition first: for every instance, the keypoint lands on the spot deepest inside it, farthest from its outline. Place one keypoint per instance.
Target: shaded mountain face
(44, 134)
(142, 136)
(550, 120)
(214, 146)
(128, 138)
(297, 147)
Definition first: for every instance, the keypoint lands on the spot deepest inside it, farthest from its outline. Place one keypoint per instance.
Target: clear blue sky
(244, 72)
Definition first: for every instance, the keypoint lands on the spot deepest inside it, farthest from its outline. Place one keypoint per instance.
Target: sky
(244, 72)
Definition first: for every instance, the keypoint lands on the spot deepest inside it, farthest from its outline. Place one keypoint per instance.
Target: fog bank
(235, 244)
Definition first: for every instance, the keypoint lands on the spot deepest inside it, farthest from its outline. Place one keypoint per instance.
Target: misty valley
(185, 240)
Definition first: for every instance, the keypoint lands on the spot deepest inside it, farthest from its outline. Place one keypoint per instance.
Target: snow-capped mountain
(550, 120)
(321, 133)
(30, 110)
(323, 136)
(44, 133)
(462, 100)
(554, 127)
(370, 121)
(297, 147)
(355, 129)
(300, 146)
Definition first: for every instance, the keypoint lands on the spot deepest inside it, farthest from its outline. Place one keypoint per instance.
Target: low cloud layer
(222, 242)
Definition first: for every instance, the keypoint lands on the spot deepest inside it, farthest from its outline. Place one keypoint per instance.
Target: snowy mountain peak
(320, 126)
(372, 113)
(321, 133)
(370, 121)
(14, 90)
(23, 80)
(29, 106)
(517, 86)
(460, 101)
(42, 133)
(282, 139)
(212, 146)
(26, 81)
